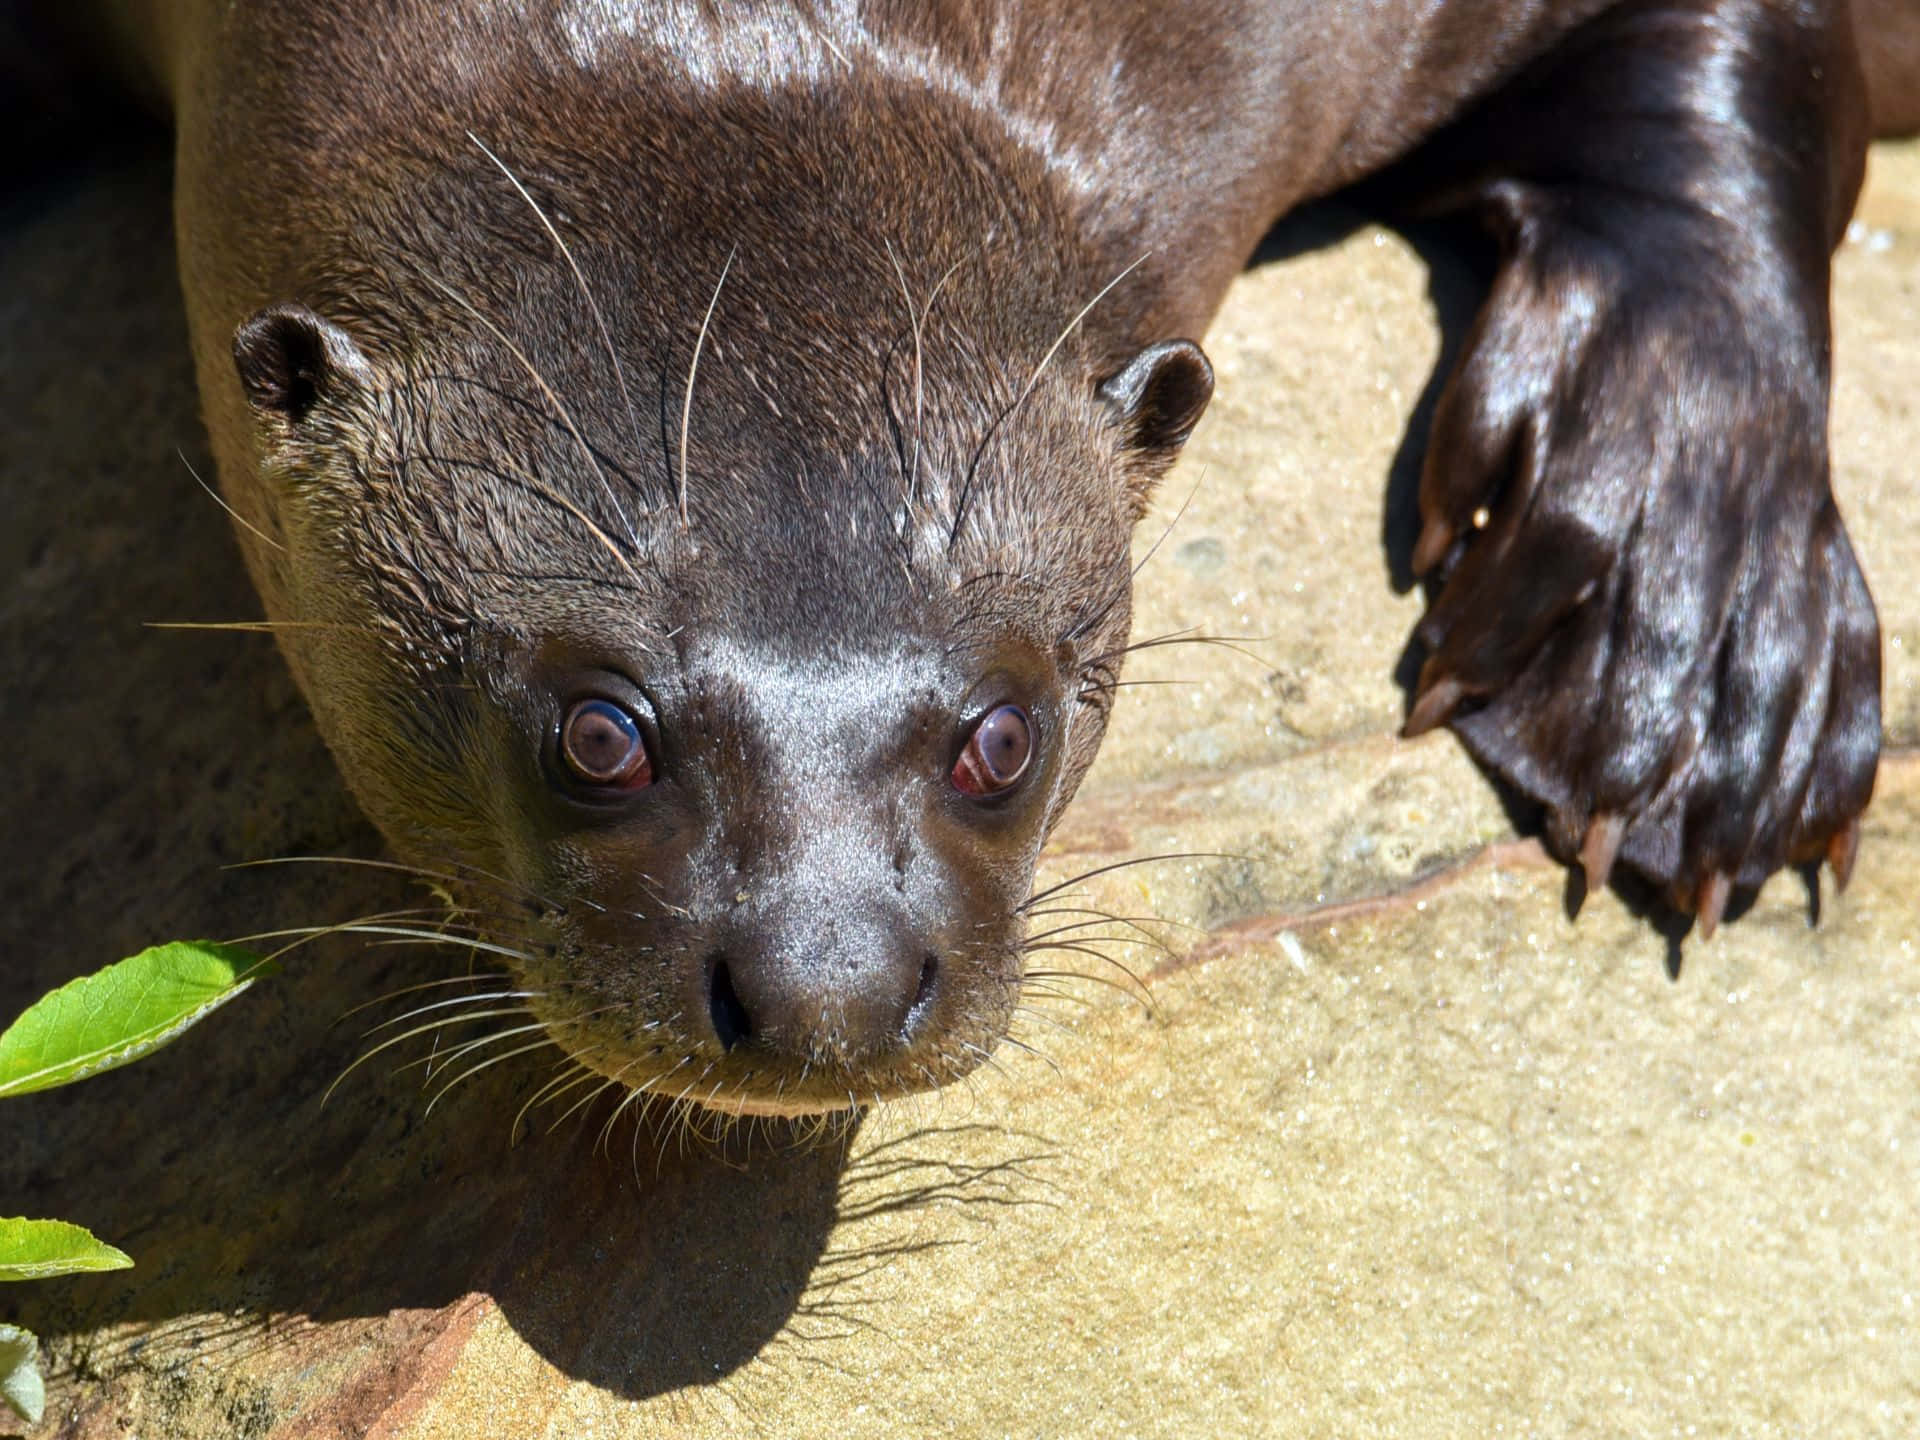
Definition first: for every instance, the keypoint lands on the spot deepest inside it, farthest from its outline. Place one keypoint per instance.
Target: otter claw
(1436, 539)
(1842, 850)
(1714, 892)
(1601, 846)
(1435, 704)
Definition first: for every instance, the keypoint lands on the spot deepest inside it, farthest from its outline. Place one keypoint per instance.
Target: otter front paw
(1649, 617)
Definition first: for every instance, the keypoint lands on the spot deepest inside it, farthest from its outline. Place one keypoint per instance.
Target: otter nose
(841, 992)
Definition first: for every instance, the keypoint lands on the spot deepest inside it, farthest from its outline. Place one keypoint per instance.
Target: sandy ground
(1381, 1143)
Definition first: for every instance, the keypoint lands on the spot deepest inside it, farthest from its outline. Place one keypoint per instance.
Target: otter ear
(1157, 399)
(290, 360)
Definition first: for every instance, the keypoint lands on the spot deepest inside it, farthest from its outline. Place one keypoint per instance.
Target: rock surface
(1371, 1139)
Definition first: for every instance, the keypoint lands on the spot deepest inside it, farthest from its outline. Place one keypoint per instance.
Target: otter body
(691, 450)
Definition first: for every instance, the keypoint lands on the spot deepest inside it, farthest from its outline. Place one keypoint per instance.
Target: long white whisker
(406, 1035)
(693, 369)
(919, 373)
(498, 883)
(483, 999)
(1074, 324)
(586, 294)
(634, 1096)
(310, 931)
(475, 977)
(607, 1084)
(1006, 416)
(432, 937)
(566, 416)
(473, 1070)
(219, 500)
(548, 492)
(573, 1072)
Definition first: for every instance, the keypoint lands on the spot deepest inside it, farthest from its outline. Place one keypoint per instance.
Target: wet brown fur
(894, 452)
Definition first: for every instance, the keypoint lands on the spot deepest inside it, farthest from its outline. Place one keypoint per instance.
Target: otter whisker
(533, 373)
(1107, 687)
(474, 977)
(919, 377)
(682, 1116)
(1188, 637)
(308, 934)
(1074, 324)
(457, 927)
(663, 1122)
(1119, 589)
(1136, 923)
(537, 902)
(544, 491)
(421, 914)
(1178, 515)
(1087, 945)
(585, 1100)
(635, 1093)
(918, 320)
(586, 1076)
(986, 1058)
(454, 939)
(482, 999)
(426, 937)
(435, 1061)
(219, 500)
(1081, 947)
(567, 1073)
(693, 369)
(1033, 942)
(257, 627)
(473, 1070)
(574, 1072)
(586, 293)
(1132, 992)
(1006, 416)
(1042, 991)
(1035, 1051)
(453, 913)
(404, 1036)
(1085, 875)
(442, 1023)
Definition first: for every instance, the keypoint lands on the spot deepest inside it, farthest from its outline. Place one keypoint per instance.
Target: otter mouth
(762, 1092)
(748, 1081)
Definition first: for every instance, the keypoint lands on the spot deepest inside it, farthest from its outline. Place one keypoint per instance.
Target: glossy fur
(794, 373)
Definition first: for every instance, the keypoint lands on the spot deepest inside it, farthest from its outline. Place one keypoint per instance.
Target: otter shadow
(145, 761)
(1459, 261)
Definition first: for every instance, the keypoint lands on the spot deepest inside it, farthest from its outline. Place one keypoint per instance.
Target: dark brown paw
(1648, 616)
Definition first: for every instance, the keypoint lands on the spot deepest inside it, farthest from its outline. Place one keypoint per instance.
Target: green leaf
(37, 1249)
(20, 1383)
(121, 1013)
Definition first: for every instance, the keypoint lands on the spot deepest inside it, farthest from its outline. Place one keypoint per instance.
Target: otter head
(734, 709)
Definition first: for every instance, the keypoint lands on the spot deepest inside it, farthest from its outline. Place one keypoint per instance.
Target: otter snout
(836, 989)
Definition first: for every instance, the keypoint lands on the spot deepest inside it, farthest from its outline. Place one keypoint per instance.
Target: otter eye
(997, 752)
(602, 745)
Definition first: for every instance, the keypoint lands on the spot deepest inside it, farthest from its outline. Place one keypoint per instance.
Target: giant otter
(689, 450)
